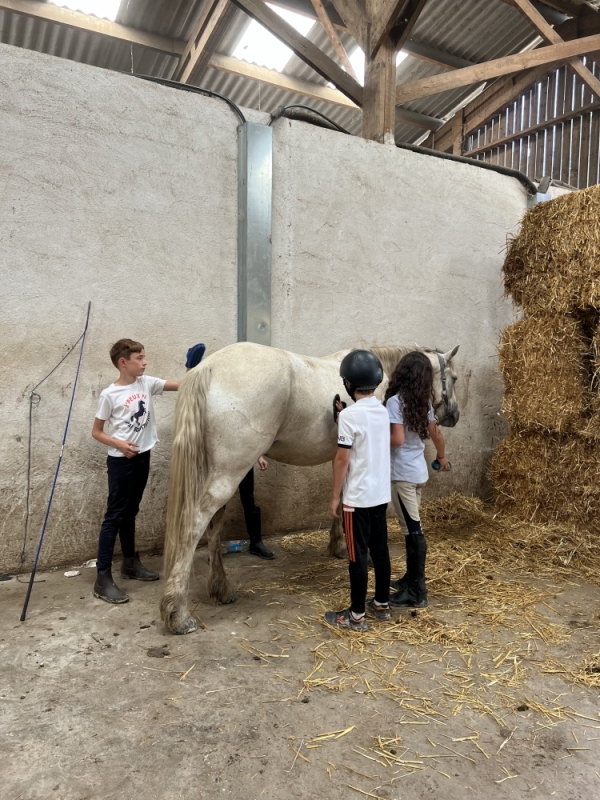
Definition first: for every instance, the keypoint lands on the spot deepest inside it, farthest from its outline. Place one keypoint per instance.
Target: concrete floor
(97, 701)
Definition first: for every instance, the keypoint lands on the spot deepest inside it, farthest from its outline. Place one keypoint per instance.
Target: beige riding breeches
(408, 495)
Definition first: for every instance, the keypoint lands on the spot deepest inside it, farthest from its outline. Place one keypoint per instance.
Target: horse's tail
(189, 466)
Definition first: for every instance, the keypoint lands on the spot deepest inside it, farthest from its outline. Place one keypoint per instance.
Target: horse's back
(283, 399)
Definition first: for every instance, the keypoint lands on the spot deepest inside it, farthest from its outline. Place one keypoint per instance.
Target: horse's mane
(390, 355)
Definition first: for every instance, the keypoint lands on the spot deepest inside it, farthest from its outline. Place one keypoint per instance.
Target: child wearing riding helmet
(408, 400)
(362, 467)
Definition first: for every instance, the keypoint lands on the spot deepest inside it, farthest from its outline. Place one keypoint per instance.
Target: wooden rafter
(165, 44)
(394, 18)
(493, 69)
(290, 84)
(551, 36)
(354, 19)
(331, 32)
(273, 78)
(503, 91)
(208, 31)
(90, 24)
(540, 126)
(303, 48)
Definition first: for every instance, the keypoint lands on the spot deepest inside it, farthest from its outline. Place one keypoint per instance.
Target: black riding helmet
(361, 371)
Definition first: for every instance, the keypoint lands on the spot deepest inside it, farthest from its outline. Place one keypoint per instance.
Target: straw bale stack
(548, 478)
(547, 468)
(546, 380)
(553, 265)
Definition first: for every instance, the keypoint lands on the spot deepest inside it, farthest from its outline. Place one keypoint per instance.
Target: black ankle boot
(106, 589)
(253, 526)
(134, 569)
(414, 594)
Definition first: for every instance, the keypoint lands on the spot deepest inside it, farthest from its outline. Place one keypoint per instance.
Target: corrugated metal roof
(479, 30)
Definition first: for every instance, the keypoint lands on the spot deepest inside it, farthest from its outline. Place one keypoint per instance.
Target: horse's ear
(450, 354)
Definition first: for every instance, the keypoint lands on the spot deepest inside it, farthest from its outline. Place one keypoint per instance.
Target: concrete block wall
(124, 193)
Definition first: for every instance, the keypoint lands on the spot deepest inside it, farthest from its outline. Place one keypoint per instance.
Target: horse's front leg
(337, 540)
(219, 588)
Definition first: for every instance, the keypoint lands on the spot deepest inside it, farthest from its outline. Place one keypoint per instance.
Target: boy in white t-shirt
(127, 405)
(362, 467)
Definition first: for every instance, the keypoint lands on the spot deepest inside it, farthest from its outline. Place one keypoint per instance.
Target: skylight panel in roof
(357, 59)
(259, 46)
(104, 9)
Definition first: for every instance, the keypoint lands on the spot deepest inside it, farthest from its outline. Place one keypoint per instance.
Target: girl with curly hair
(408, 400)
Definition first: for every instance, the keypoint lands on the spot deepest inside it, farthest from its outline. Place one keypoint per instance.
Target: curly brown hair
(412, 381)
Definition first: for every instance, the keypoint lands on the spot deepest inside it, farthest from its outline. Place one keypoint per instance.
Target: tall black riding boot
(253, 527)
(402, 582)
(414, 595)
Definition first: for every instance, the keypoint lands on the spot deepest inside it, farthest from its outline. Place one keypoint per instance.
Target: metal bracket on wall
(255, 198)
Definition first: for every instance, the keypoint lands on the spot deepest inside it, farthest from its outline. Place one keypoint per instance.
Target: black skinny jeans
(127, 478)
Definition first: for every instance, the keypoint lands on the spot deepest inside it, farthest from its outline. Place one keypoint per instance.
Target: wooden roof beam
(90, 24)
(494, 69)
(503, 91)
(354, 18)
(552, 36)
(540, 126)
(341, 53)
(271, 77)
(214, 18)
(393, 18)
(303, 48)
(290, 84)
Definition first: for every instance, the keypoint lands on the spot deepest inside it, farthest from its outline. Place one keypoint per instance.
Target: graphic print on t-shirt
(137, 404)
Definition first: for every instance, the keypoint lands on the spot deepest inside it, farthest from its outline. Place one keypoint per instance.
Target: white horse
(241, 402)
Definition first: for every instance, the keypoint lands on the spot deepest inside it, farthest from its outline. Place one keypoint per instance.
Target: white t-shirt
(408, 460)
(365, 428)
(130, 412)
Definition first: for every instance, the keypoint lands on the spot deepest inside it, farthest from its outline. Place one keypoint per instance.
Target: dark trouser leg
(252, 517)
(357, 527)
(120, 478)
(140, 469)
(378, 547)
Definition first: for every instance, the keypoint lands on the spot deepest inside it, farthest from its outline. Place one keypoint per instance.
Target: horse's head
(444, 378)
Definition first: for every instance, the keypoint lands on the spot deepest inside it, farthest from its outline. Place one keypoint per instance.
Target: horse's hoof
(341, 553)
(228, 598)
(189, 625)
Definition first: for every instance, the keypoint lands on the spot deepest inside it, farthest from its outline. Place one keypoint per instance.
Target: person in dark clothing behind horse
(246, 488)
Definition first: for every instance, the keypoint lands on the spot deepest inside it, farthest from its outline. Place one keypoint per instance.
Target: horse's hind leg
(173, 603)
(218, 585)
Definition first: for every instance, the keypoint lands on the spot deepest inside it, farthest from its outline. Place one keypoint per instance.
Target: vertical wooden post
(379, 99)
(457, 133)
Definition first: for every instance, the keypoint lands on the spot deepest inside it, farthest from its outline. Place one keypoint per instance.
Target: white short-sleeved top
(130, 412)
(365, 428)
(408, 460)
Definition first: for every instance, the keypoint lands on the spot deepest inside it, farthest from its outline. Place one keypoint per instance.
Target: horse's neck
(390, 355)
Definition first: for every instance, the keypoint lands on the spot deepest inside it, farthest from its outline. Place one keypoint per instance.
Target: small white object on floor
(72, 573)
(91, 564)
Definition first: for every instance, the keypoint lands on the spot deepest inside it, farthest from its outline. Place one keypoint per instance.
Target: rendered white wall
(124, 192)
